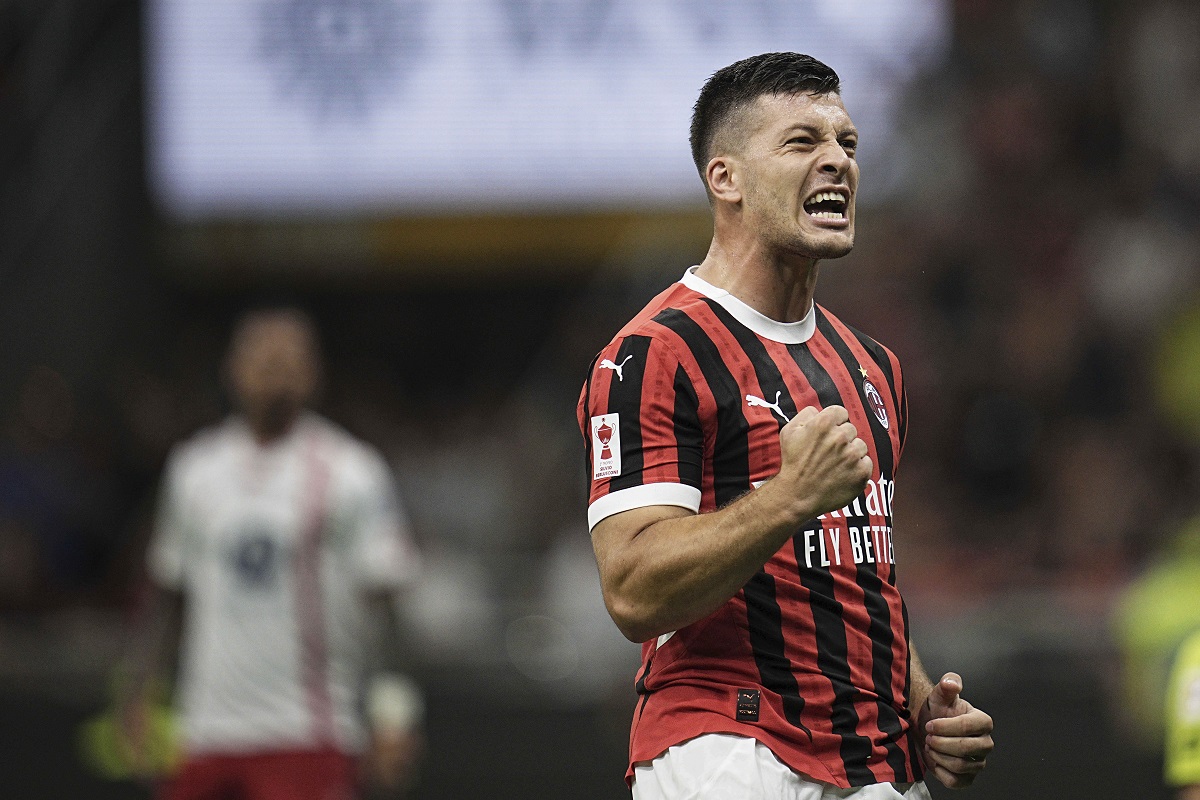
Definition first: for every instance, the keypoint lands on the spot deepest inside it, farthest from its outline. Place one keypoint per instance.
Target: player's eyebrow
(801, 127)
(815, 130)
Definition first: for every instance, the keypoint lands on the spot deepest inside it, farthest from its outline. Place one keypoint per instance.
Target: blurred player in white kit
(278, 552)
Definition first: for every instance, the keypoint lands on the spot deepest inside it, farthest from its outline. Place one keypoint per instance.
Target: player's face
(273, 369)
(799, 176)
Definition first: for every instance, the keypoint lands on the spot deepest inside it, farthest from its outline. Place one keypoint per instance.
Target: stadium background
(1030, 253)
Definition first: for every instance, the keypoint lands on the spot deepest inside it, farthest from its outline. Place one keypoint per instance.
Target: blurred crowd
(1044, 258)
(1034, 266)
(1036, 274)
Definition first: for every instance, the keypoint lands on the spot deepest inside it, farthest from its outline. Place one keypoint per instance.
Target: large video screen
(414, 107)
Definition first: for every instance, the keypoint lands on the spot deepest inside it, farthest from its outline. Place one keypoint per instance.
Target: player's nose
(834, 160)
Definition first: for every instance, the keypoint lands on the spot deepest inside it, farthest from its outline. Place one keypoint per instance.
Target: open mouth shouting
(829, 204)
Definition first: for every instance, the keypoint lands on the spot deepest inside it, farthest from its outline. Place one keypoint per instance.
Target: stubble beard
(797, 237)
(819, 245)
(825, 250)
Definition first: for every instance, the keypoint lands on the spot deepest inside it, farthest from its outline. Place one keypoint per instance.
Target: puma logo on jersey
(757, 402)
(606, 364)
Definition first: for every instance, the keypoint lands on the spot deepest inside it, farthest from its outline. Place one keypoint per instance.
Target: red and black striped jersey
(811, 656)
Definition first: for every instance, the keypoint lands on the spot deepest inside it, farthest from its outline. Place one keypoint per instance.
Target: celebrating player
(742, 444)
(280, 540)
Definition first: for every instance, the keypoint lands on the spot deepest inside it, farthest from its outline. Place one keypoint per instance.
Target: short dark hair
(732, 89)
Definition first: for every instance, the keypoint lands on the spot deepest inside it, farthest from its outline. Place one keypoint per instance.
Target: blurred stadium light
(411, 107)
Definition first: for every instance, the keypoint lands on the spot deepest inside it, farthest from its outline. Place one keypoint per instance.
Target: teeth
(825, 215)
(822, 196)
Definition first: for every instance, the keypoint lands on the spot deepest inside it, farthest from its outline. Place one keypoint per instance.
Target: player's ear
(722, 176)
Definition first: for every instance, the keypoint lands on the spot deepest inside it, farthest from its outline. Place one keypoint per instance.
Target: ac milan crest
(875, 401)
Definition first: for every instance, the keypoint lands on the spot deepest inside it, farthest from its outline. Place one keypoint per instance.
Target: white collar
(782, 332)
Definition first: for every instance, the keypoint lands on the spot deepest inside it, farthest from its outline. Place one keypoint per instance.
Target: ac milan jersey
(276, 548)
(810, 657)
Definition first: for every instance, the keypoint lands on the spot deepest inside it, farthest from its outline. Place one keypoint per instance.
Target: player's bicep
(616, 541)
(166, 555)
(384, 556)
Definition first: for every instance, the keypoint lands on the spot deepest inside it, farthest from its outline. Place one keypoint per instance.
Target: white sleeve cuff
(648, 494)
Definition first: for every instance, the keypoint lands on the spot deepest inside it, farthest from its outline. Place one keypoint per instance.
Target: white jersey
(276, 549)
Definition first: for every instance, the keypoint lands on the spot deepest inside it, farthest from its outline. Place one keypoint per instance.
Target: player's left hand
(956, 736)
(393, 759)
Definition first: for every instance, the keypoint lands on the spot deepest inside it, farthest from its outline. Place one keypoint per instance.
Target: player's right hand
(823, 459)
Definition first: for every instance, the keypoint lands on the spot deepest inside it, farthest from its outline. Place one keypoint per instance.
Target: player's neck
(270, 429)
(779, 286)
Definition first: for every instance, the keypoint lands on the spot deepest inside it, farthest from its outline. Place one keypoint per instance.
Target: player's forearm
(1190, 792)
(678, 570)
(388, 647)
(920, 684)
(152, 646)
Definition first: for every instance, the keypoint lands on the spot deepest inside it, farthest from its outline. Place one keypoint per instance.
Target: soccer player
(1183, 721)
(279, 545)
(742, 444)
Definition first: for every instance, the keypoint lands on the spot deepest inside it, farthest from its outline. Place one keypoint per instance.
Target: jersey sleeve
(1182, 766)
(382, 553)
(643, 439)
(166, 558)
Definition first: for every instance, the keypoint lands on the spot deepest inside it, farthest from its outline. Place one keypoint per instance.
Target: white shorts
(720, 766)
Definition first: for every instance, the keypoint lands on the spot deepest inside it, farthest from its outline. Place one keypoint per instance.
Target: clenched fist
(823, 460)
